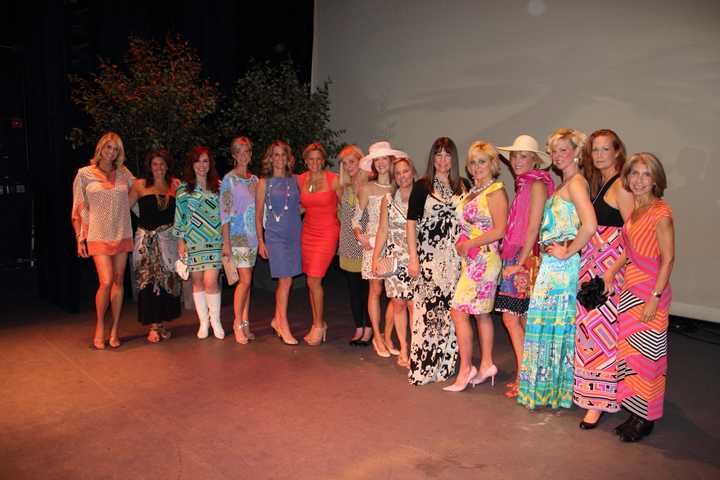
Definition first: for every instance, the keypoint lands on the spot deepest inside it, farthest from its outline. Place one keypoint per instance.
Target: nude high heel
(316, 336)
(483, 375)
(460, 387)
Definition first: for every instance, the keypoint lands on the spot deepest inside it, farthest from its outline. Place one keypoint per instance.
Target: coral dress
(321, 227)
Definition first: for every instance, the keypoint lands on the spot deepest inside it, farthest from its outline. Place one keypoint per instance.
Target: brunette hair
(109, 137)
(446, 144)
(213, 180)
(657, 172)
(266, 168)
(147, 165)
(593, 175)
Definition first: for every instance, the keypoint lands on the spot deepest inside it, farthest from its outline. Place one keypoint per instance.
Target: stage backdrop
(410, 71)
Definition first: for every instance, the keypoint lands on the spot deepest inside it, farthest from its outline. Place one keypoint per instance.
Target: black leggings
(358, 298)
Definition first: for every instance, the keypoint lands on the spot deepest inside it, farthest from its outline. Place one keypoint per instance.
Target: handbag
(592, 293)
(230, 269)
(386, 266)
(182, 269)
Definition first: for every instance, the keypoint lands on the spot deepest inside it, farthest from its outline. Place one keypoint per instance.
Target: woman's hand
(649, 310)
(414, 268)
(374, 266)
(182, 249)
(226, 250)
(262, 250)
(557, 251)
(511, 270)
(365, 242)
(82, 249)
(463, 247)
(608, 278)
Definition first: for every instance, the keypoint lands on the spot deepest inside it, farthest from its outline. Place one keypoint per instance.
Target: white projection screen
(411, 71)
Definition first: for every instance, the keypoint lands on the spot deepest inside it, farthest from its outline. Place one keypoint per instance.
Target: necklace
(313, 187)
(268, 201)
(597, 195)
(382, 185)
(480, 188)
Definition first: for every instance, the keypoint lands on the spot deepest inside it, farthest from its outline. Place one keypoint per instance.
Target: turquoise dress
(546, 375)
(197, 222)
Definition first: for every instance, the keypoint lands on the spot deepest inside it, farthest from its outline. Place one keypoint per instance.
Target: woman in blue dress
(278, 225)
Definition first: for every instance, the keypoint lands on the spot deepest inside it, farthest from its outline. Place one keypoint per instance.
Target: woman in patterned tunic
(546, 375)
(431, 233)
(197, 226)
(379, 162)
(392, 229)
(156, 251)
(237, 214)
(101, 220)
(519, 250)
(648, 239)
(482, 216)
(278, 224)
(596, 330)
(352, 178)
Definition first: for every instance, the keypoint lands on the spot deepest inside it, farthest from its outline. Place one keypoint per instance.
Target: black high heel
(364, 343)
(589, 426)
(637, 430)
(620, 428)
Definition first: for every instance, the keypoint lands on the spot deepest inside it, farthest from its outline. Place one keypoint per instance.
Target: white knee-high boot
(214, 303)
(201, 307)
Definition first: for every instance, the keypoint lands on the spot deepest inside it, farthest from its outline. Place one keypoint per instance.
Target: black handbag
(592, 293)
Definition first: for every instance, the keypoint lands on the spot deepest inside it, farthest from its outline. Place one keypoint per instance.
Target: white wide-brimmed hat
(526, 143)
(379, 149)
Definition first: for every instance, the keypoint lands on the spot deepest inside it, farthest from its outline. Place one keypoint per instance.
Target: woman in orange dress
(649, 252)
(320, 231)
(101, 219)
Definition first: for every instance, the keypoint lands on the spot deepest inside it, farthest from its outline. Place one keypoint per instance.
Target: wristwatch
(656, 294)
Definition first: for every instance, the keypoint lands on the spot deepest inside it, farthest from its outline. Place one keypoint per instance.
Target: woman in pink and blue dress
(482, 216)
(101, 219)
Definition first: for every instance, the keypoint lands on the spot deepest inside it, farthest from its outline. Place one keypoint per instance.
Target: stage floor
(213, 409)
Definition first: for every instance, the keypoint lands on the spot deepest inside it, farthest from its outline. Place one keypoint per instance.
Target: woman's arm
(538, 197)
(624, 199)
(579, 195)
(135, 192)
(381, 235)
(498, 206)
(413, 262)
(665, 234)
(80, 215)
(181, 225)
(259, 215)
(362, 201)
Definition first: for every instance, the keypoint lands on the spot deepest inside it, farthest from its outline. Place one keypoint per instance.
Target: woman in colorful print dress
(482, 215)
(595, 386)
(520, 253)
(350, 252)
(378, 163)
(199, 232)
(546, 375)
(278, 225)
(391, 235)
(319, 194)
(237, 214)
(101, 220)
(155, 253)
(649, 251)
(432, 259)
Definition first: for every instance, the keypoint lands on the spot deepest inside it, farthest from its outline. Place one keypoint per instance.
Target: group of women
(441, 247)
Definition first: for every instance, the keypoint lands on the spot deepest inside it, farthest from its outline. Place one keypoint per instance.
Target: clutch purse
(592, 293)
(182, 269)
(230, 269)
(473, 252)
(386, 267)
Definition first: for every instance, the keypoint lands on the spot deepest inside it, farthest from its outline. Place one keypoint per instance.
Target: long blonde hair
(109, 137)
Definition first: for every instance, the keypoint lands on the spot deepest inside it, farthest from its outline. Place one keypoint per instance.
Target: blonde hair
(657, 172)
(576, 138)
(351, 150)
(109, 137)
(315, 147)
(488, 149)
(266, 169)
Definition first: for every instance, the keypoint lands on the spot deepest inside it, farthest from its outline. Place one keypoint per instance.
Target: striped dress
(642, 347)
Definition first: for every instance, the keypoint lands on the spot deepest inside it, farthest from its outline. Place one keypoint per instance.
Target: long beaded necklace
(268, 201)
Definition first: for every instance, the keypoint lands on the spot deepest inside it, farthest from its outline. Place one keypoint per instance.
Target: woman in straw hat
(546, 375)
(378, 161)
(519, 251)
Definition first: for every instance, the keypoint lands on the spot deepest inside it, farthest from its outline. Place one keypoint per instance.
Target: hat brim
(544, 157)
(366, 161)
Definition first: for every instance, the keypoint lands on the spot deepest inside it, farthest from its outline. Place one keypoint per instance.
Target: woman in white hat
(378, 161)
(546, 375)
(519, 251)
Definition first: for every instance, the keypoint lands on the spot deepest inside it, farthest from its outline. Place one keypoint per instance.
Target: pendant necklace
(277, 216)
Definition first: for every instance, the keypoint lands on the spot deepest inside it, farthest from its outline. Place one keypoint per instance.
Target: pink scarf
(520, 209)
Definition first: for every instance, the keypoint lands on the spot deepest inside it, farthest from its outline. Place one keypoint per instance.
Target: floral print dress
(475, 291)
(399, 285)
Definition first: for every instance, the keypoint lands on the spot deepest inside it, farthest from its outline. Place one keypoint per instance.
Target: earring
(576, 160)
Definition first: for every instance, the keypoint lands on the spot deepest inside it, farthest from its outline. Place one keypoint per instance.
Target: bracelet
(656, 294)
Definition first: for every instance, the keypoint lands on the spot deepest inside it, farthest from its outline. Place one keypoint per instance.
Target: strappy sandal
(164, 332)
(154, 335)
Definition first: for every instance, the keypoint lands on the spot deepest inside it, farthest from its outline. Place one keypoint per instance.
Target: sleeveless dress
(401, 284)
(373, 213)
(596, 330)
(349, 251)
(642, 347)
(546, 374)
(237, 208)
(321, 227)
(282, 226)
(433, 345)
(197, 222)
(154, 259)
(475, 290)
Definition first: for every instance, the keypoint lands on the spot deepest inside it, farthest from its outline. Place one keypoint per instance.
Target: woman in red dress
(320, 231)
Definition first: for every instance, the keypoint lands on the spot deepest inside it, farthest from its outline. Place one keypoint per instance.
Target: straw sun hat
(526, 143)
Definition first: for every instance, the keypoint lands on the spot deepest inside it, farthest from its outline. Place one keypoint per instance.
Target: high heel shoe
(240, 336)
(362, 341)
(316, 336)
(637, 430)
(287, 339)
(589, 426)
(484, 375)
(460, 387)
(381, 352)
(390, 348)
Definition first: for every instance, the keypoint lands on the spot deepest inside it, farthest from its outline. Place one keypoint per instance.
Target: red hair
(213, 179)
